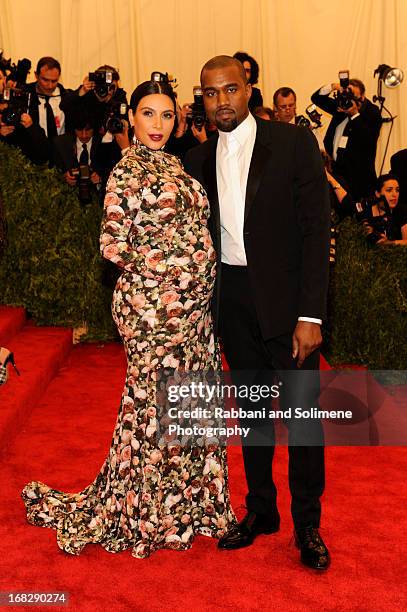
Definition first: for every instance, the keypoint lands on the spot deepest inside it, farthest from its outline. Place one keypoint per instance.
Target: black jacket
(286, 227)
(355, 162)
(31, 88)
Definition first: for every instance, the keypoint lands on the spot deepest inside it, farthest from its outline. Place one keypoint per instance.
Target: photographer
(97, 96)
(352, 134)
(46, 97)
(18, 129)
(385, 219)
(82, 148)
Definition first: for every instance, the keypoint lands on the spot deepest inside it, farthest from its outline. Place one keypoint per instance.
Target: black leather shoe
(244, 533)
(314, 553)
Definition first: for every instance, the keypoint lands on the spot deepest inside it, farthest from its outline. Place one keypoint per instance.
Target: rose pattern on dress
(149, 495)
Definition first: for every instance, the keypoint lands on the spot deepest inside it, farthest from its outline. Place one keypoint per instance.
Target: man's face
(356, 92)
(47, 80)
(247, 69)
(286, 108)
(84, 134)
(226, 96)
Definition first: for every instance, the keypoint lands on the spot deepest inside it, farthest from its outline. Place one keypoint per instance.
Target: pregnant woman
(152, 492)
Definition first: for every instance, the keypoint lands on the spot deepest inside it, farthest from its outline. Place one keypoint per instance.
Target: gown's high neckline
(145, 150)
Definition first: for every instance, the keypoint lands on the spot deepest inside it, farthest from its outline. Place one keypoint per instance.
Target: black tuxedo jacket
(286, 227)
(35, 101)
(64, 152)
(356, 162)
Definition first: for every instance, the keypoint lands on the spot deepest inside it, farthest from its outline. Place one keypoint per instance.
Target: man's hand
(6, 130)
(69, 178)
(26, 120)
(182, 114)
(306, 338)
(95, 178)
(122, 138)
(200, 135)
(86, 86)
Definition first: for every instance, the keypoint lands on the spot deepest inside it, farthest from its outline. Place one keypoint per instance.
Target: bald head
(224, 61)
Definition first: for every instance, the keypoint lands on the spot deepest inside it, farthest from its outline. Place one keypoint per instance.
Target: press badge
(343, 142)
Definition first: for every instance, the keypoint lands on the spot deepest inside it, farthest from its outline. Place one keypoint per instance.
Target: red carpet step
(12, 319)
(39, 353)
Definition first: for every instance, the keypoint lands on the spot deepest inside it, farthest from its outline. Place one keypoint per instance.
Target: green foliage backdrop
(51, 265)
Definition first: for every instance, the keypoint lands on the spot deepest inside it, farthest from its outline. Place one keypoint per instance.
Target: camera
(116, 113)
(103, 80)
(197, 116)
(314, 115)
(82, 175)
(302, 121)
(17, 101)
(19, 72)
(382, 223)
(345, 98)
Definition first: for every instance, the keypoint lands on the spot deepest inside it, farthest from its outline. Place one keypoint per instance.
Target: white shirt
(55, 100)
(79, 148)
(233, 156)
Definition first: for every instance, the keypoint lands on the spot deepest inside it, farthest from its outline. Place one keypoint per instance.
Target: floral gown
(149, 495)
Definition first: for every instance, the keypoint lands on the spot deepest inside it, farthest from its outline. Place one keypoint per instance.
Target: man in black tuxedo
(270, 226)
(351, 137)
(46, 97)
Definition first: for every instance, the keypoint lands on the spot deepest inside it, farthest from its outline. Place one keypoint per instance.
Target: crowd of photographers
(83, 133)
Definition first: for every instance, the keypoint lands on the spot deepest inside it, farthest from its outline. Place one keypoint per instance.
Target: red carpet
(63, 438)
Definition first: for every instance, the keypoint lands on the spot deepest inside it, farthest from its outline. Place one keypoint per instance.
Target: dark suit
(286, 239)
(33, 111)
(65, 155)
(356, 161)
(398, 163)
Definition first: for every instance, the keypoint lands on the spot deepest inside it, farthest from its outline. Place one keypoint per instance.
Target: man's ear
(248, 90)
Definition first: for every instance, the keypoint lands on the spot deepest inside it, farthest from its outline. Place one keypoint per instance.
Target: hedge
(52, 267)
(51, 264)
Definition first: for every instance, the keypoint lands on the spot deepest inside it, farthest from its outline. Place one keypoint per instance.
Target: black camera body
(82, 175)
(382, 224)
(116, 113)
(314, 115)
(345, 98)
(302, 121)
(103, 80)
(17, 103)
(19, 72)
(198, 115)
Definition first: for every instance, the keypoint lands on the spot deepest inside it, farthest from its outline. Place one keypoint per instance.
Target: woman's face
(390, 191)
(154, 120)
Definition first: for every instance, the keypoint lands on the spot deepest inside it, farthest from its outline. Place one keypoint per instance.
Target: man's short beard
(227, 126)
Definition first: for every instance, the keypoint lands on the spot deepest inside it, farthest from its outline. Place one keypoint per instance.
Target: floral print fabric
(151, 492)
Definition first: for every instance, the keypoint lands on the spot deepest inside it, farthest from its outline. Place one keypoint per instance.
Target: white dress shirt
(55, 101)
(233, 156)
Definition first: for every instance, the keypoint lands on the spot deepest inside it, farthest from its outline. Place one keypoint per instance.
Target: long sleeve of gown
(121, 213)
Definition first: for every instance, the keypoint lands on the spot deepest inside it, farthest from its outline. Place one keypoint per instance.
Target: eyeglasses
(286, 106)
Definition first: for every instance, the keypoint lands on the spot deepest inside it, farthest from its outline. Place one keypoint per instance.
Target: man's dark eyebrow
(212, 87)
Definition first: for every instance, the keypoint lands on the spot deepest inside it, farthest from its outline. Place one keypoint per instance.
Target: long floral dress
(148, 494)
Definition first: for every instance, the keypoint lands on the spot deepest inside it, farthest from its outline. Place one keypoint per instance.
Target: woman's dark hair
(383, 179)
(242, 56)
(152, 87)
